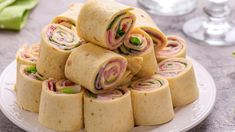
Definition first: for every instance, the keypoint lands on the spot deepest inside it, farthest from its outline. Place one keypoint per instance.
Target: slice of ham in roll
(151, 101)
(57, 42)
(105, 23)
(95, 68)
(139, 44)
(180, 74)
(28, 88)
(110, 111)
(61, 105)
(146, 23)
(176, 47)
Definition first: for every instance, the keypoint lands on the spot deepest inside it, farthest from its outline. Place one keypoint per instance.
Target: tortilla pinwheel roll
(95, 68)
(139, 44)
(146, 23)
(105, 23)
(28, 88)
(108, 112)
(57, 42)
(27, 55)
(69, 17)
(61, 105)
(175, 48)
(151, 101)
(180, 75)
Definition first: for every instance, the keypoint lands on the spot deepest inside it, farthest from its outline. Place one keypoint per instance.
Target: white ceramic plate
(185, 118)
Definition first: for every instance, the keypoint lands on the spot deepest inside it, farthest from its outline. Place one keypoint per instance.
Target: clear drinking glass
(169, 7)
(215, 28)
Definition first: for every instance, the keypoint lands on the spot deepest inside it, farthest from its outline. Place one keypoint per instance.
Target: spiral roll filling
(135, 44)
(147, 84)
(118, 29)
(158, 40)
(62, 37)
(110, 74)
(174, 46)
(30, 53)
(171, 68)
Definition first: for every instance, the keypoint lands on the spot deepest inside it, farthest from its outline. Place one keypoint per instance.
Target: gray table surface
(217, 60)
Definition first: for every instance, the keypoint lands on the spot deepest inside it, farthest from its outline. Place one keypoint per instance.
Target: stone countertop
(217, 60)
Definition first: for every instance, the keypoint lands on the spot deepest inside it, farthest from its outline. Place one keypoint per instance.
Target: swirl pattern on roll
(157, 37)
(171, 68)
(29, 53)
(136, 43)
(62, 37)
(118, 29)
(146, 23)
(174, 47)
(109, 74)
(148, 83)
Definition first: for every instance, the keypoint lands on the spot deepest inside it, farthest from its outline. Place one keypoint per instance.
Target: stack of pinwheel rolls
(95, 68)
(29, 86)
(180, 75)
(151, 100)
(105, 23)
(139, 44)
(108, 112)
(175, 48)
(98, 68)
(61, 106)
(57, 42)
(146, 23)
(26, 55)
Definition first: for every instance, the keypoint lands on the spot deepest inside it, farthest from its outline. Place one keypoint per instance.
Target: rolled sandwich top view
(139, 44)
(28, 54)
(60, 37)
(174, 67)
(148, 83)
(176, 47)
(146, 23)
(105, 22)
(95, 68)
